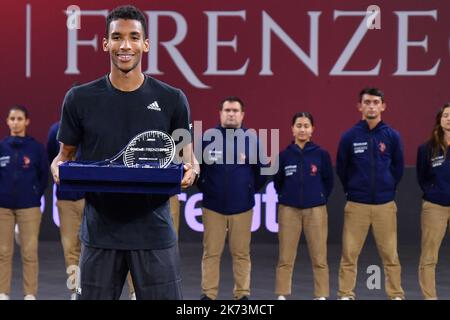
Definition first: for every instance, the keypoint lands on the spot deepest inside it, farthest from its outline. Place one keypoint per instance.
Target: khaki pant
(216, 227)
(175, 212)
(314, 222)
(435, 219)
(357, 221)
(29, 221)
(70, 215)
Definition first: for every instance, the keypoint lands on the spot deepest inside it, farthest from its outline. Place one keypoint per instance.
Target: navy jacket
(433, 174)
(230, 188)
(305, 176)
(52, 152)
(370, 163)
(23, 172)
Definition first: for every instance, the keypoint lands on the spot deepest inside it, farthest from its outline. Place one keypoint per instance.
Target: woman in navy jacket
(23, 179)
(433, 173)
(303, 183)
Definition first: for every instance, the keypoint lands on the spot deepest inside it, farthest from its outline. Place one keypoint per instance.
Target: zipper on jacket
(226, 167)
(226, 187)
(15, 177)
(372, 167)
(301, 178)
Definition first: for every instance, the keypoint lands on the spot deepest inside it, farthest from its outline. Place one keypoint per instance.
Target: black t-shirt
(101, 120)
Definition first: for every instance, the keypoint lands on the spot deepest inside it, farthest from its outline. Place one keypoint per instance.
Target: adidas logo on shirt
(154, 106)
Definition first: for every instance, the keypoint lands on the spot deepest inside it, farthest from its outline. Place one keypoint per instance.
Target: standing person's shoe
(281, 298)
(4, 296)
(320, 298)
(346, 298)
(133, 296)
(244, 298)
(204, 297)
(29, 297)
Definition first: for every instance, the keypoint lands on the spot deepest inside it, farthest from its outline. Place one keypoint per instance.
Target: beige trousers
(291, 221)
(358, 219)
(29, 222)
(216, 228)
(434, 223)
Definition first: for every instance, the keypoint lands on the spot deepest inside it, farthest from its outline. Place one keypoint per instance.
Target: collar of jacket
(223, 129)
(363, 124)
(309, 146)
(16, 141)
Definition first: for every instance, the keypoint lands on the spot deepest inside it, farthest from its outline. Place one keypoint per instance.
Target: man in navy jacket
(230, 176)
(70, 209)
(370, 166)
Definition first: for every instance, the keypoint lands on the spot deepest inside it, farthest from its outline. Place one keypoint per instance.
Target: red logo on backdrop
(313, 169)
(26, 162)
(382, 147)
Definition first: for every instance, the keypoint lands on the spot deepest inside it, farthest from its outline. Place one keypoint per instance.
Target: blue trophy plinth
(92, 177)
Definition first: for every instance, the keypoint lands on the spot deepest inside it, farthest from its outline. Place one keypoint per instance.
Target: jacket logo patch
(382, 147)
(360, 147)
(290, 170)
(4, 161)
(437, 161)
(154, 106)
(313, 170)
(26, 162)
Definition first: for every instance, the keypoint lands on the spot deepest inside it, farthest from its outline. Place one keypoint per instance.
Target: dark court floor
(52, 280)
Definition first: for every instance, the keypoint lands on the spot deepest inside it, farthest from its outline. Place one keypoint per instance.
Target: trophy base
(86, 176)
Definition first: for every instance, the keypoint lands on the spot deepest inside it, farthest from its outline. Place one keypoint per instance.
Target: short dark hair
(373, 92)
(127, 13)
(232, 99)
(19, 108)
(303, 115)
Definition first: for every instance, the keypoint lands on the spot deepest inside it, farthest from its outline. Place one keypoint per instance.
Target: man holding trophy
(123, 232)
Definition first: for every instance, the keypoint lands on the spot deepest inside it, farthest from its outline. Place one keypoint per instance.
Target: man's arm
(422, 167)
(43, 171)
(342, 160)
(191, 167)
(398, 162)
(66, 153)
(327, 173)
(52, 144)
(278, 179)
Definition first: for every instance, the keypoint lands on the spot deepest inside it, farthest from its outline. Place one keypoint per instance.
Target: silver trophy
(149, 149)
